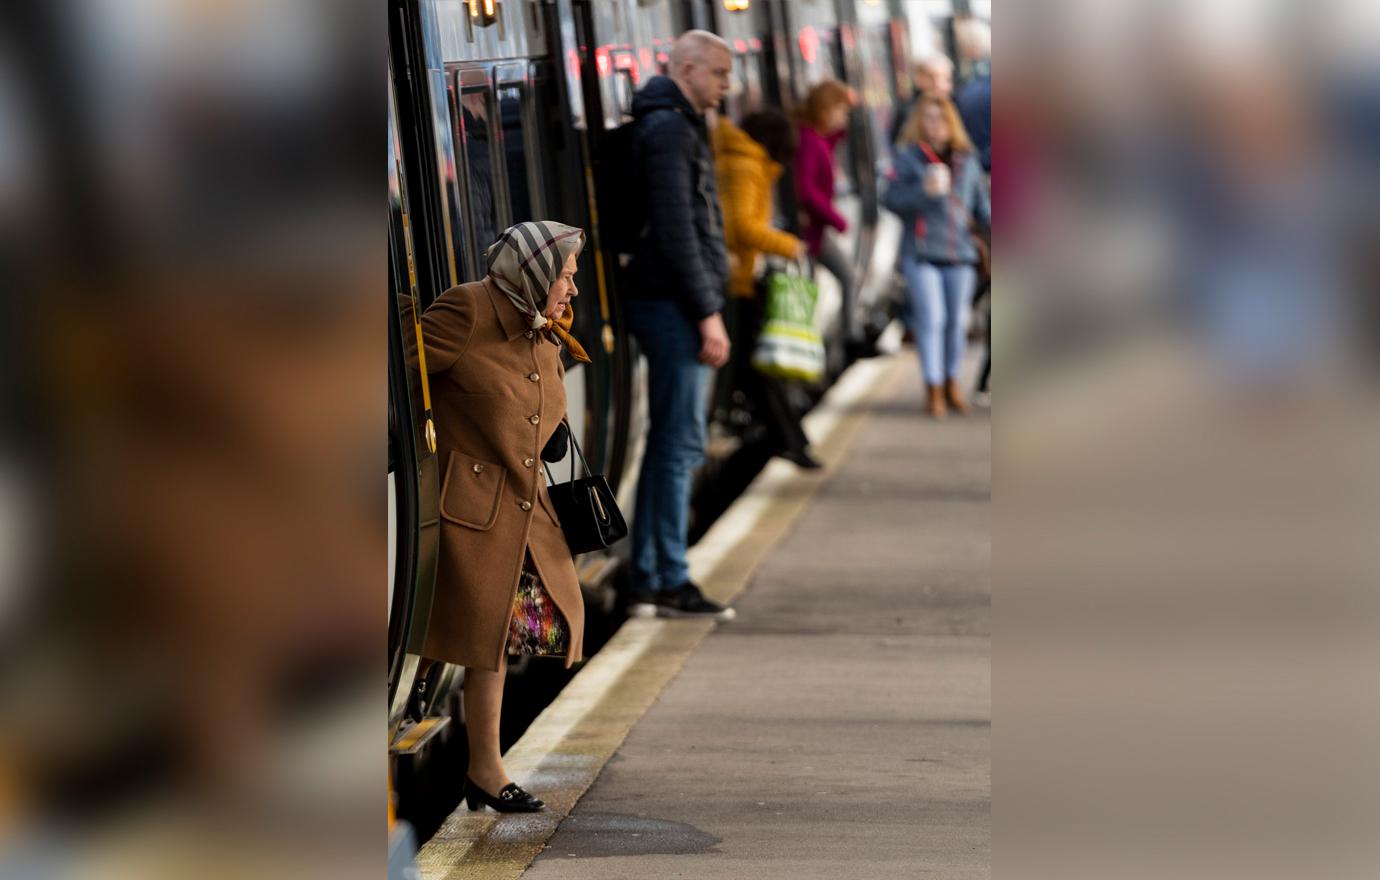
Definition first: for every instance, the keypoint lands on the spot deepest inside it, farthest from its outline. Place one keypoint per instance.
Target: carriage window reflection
(515, 152)
(473, 116)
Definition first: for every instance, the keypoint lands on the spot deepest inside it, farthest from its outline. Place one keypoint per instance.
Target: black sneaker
(687, 601)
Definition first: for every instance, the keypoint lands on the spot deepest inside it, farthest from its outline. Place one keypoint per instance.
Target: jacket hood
(661, 93)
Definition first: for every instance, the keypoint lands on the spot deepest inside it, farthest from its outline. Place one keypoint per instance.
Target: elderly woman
(505, 582)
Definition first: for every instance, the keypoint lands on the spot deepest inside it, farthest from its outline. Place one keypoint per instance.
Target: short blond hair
(692, 47)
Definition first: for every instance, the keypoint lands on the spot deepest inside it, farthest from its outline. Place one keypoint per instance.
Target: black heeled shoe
(512, 798)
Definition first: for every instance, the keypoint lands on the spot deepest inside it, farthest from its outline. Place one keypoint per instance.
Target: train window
(518, 142)
(877, 98)
(736, 102)
(474, 118)
(546, 138)
(623, 89)
(745, 95)
(401, 255)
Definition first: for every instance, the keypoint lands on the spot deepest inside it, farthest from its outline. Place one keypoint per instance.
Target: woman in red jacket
(823, 121)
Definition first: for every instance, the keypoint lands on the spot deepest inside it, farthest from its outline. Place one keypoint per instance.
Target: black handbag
(586, 507)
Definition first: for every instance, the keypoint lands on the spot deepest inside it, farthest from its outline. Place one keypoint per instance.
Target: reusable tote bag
(789, 346)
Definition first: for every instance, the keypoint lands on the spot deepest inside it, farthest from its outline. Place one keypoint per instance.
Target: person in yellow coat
(749, 160)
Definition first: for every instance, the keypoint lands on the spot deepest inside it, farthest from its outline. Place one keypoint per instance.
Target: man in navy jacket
(674, 304)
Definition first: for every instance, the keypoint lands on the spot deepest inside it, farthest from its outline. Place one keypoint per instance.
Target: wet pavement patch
(615, 834)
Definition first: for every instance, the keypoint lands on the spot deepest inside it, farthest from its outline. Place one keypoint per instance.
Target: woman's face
(562, 290)
(837, 118)
(934, 126)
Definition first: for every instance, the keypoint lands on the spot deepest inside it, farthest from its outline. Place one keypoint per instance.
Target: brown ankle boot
(936, 401)
(955, 396)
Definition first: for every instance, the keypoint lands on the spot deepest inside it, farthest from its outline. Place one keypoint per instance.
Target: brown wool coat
(497, 395)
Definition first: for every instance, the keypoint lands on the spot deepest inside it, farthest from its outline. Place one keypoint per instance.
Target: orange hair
(822, 98)
(913, 132)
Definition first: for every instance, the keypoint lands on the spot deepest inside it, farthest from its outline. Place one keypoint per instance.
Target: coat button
(532, 377)
(479, 468)
(528, 462)
(534, 419)
(526, 505)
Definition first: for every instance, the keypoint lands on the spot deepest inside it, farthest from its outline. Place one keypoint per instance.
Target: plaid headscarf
(524, 263)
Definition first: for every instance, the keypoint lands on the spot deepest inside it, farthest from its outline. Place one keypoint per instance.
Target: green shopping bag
(789, 346)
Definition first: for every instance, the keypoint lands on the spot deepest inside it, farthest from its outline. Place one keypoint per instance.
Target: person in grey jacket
(674, 304)
(936, 187)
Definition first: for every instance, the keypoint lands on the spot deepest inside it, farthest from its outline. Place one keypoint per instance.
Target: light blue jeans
(677, 385)
(940, 300)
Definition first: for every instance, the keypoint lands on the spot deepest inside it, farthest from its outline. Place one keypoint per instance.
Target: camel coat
(497, 394)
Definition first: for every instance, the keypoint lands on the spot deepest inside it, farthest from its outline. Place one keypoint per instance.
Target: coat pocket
(472, 491)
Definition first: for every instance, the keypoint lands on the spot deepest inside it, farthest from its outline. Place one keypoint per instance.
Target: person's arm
(668, 149)
(556, 447)
(905, 191)
(810, 164)
(741, 188)
(447, 326)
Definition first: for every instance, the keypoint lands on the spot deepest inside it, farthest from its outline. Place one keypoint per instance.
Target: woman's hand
(936, 180)
(556, 447)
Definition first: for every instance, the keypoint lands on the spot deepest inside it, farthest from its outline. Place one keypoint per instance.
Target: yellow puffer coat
(746, 177)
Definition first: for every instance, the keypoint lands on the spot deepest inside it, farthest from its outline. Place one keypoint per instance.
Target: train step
(413, 736)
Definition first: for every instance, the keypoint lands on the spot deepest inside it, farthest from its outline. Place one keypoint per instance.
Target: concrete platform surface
(841, 726)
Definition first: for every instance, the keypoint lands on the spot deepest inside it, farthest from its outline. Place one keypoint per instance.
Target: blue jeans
(940, 299)
(677, 384)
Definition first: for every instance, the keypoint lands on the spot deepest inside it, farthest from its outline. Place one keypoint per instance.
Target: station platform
(840, 726)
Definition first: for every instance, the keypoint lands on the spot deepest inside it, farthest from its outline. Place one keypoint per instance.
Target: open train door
(412, 470)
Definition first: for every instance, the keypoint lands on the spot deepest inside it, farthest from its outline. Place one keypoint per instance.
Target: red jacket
(814, 185)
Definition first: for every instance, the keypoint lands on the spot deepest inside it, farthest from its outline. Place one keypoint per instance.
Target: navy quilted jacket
(682, 256)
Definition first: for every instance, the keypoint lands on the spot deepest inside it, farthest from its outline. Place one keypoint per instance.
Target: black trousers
(771, 402)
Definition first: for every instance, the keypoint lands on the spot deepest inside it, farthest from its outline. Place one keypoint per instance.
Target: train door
(747, 31)
(412, 474)
(621, 44)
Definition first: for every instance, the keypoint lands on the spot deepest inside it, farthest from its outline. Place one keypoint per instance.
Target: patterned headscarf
(524, 263)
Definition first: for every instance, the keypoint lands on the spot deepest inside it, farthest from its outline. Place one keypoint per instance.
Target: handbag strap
(789, 266)
(598, 502)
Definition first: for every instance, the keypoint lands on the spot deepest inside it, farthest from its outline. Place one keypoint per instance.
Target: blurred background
(1185, 456)
(191, 507)
(192, 504)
